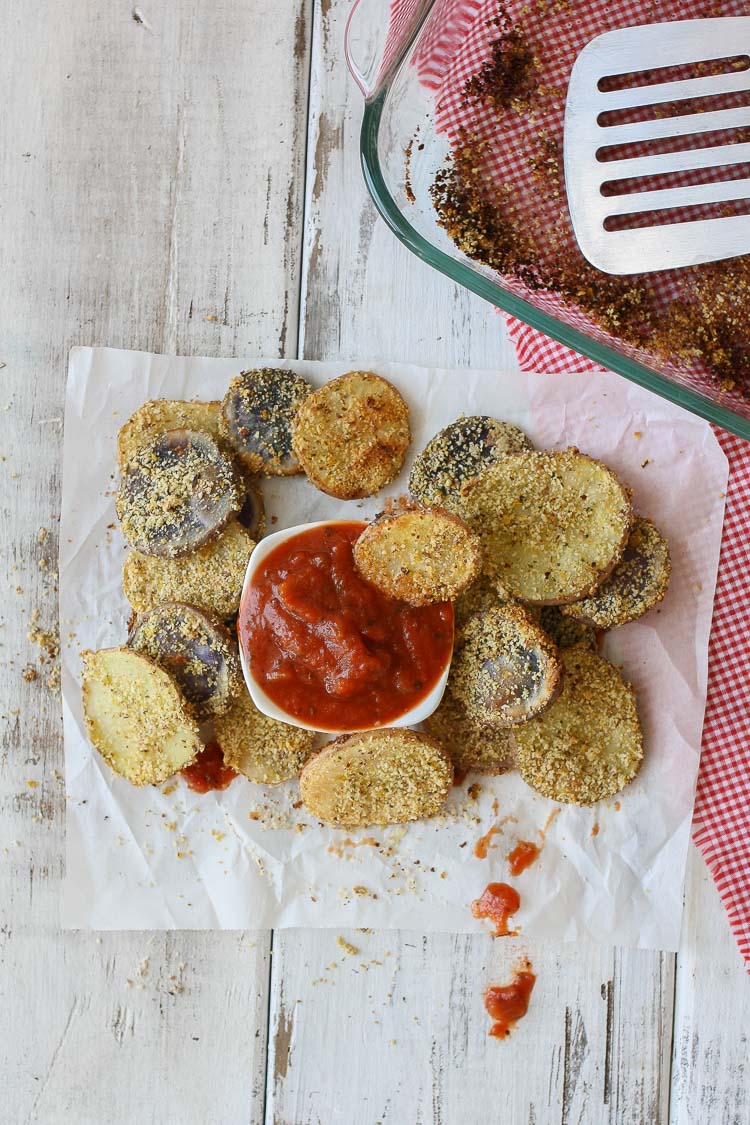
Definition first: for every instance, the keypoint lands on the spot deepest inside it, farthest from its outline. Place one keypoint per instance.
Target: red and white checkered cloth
(452, 47)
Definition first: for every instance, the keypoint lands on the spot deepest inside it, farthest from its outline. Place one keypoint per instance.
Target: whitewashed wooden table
(183, 177)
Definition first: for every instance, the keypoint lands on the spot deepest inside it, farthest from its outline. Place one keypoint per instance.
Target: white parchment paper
(243, 858)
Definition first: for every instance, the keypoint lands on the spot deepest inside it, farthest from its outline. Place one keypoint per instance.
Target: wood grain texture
(150, 197)
(711, 1047)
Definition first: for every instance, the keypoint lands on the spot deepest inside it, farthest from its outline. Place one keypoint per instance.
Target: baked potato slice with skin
(252, 514)
(507, 669)
(351, 435)
(472, 747)
(636, 585)
(553, 524)
(588, 745)
(377, 777)
(158, 415)
(256, 419)
(136, 716)
(210, 578)
(459, 453)
(177, 493)
(564, 631)
(264, 750)
(419, 556)
(196, 649)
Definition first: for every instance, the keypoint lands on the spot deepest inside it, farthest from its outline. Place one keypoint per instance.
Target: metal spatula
(629, 53)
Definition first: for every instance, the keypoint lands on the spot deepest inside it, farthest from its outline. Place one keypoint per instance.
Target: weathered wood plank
(151, 166)
(405, 1015)
(711, 1054)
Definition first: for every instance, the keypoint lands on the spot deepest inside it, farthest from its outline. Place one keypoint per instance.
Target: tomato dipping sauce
(506, 1004)
(208, 771)
(328, 647)
(497, 904)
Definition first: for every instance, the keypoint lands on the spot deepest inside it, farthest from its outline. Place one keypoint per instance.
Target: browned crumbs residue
(513, 218)
(347, 946)
(407, 172)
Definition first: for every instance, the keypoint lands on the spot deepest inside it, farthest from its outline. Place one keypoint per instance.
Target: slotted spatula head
(616, 149)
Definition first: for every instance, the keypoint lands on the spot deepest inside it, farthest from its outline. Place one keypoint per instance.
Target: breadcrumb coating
(377, 777)
(257, 415)
(352, 434)
(588, 745)
(263, 749)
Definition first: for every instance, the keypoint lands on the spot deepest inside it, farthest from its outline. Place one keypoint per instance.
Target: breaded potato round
(457, 455)
(588, 745)
(507, 669)
(352, 434)
(377, 777)
(257, 415)
(564, 631)
(419, 556)
(196, 649)
(211, 578)
(553, 524)
(263, 749)
(159, 415)
(636, 585)
(177, 493)
(472, 747)
(136, 716)
(252, 514)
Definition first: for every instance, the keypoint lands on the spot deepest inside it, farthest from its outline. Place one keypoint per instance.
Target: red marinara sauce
(522, 856)
(506, 1004)
(497, 904)
(208, 770)
(330, 648)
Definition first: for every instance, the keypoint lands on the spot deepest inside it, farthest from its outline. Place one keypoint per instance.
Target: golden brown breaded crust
(457, 455)
(196, 649)
(553, 524)
(484, 592)
(136, 716)
(351, 435)
(564, 631)
(473, 747)
(588, 745)
(257, 413)
(263, 749)
(211, 578)
(507, 669)
(419, 556)
(377, 777)
(636, 585)
(161, 414)
(176, 494)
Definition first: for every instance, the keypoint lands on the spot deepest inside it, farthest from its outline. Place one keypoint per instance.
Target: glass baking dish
(402, 151)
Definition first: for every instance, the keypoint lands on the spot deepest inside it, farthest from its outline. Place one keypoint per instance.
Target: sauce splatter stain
(497, 904)
(506, 1004)
(522, 856)
(208, 771)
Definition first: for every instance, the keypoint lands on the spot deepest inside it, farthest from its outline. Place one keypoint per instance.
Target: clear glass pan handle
(378, 33)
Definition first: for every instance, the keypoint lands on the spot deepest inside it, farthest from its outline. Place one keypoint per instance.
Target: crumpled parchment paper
(168, 858)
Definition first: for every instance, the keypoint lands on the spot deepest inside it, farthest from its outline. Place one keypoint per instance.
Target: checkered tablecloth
(451, 48)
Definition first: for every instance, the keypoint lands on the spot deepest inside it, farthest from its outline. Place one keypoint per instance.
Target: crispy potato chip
(473, 747)
(506, 670)
(136, 716)
(352, 434)
(553, 524)
(588, 745)
(457, 455)
(176, 494)
(377, 777)
(636, 585)
(419, 556)
(159, 415)
(257, 415)
(211, 578)
(196, 649)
